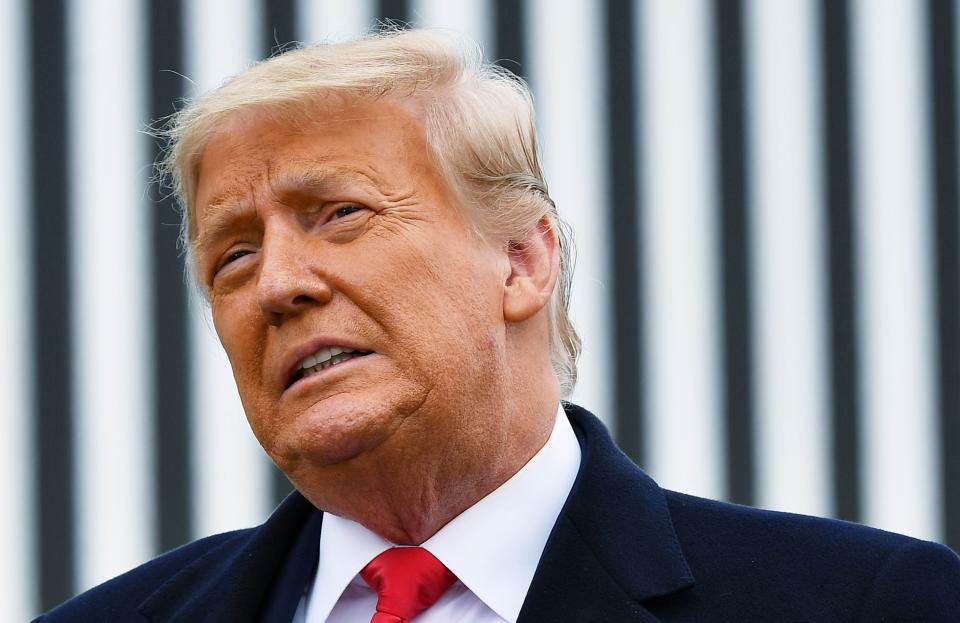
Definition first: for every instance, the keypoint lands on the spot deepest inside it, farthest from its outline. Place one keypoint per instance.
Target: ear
(534, 266)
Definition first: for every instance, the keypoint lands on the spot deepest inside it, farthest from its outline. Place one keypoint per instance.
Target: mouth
(322, 359)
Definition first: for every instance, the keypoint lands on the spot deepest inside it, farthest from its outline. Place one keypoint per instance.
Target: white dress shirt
(493, 547)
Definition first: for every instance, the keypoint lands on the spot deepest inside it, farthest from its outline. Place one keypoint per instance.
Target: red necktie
(408, 580)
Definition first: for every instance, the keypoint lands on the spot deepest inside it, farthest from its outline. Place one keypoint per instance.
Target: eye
(236, 255)
(232, 257)
(346, 211)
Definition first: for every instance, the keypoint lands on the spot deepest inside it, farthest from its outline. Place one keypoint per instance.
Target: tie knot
(408, 580)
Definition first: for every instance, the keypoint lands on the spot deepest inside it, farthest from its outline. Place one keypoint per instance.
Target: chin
(335, 430)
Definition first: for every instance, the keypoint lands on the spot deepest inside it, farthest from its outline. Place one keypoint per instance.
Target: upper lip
(296, 356)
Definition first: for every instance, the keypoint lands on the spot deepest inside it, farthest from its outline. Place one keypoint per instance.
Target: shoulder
(119, 599)
(702, 522)
(734, 563)
(855, 570)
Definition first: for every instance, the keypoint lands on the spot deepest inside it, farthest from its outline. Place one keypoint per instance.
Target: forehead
(379, 142)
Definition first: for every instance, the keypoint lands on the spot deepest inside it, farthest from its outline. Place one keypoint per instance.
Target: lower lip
(326, 372)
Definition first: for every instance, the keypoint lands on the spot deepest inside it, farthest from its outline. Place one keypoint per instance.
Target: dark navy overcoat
(622, 550)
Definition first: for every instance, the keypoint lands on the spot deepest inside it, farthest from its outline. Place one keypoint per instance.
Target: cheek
(237, 328)
(449, 308)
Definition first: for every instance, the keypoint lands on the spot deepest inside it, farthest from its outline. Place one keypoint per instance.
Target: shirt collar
(493, 547)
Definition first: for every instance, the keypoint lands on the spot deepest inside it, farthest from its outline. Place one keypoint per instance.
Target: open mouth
(322, 359)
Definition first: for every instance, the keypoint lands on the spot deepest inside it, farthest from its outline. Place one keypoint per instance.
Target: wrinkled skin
(341, 231)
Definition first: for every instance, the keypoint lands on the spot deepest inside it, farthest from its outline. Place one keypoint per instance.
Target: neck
(405, 492)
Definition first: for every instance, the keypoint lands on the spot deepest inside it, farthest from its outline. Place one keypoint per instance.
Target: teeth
(324, 358)
(322, 355)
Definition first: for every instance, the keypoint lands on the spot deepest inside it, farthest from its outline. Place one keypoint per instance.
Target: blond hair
(479, 124)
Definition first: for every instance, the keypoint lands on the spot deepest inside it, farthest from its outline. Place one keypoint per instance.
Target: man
(389, 278)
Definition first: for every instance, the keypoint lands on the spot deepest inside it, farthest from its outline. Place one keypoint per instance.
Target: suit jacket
(622, 550)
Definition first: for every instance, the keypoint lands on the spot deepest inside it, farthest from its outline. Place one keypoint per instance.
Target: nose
(290, 281)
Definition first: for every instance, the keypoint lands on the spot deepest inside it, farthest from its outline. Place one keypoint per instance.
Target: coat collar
(233, 580)
(614, 545)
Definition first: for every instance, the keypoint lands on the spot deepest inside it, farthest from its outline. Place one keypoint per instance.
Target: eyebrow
(222, 215)
(299, 181)
(318, 178)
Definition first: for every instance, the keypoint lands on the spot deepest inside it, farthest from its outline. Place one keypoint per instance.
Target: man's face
(340, 235)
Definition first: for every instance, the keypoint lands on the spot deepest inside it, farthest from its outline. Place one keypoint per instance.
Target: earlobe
(534, 265)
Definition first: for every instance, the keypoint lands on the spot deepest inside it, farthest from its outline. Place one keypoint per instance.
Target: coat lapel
(236, 587)
(613, 546)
